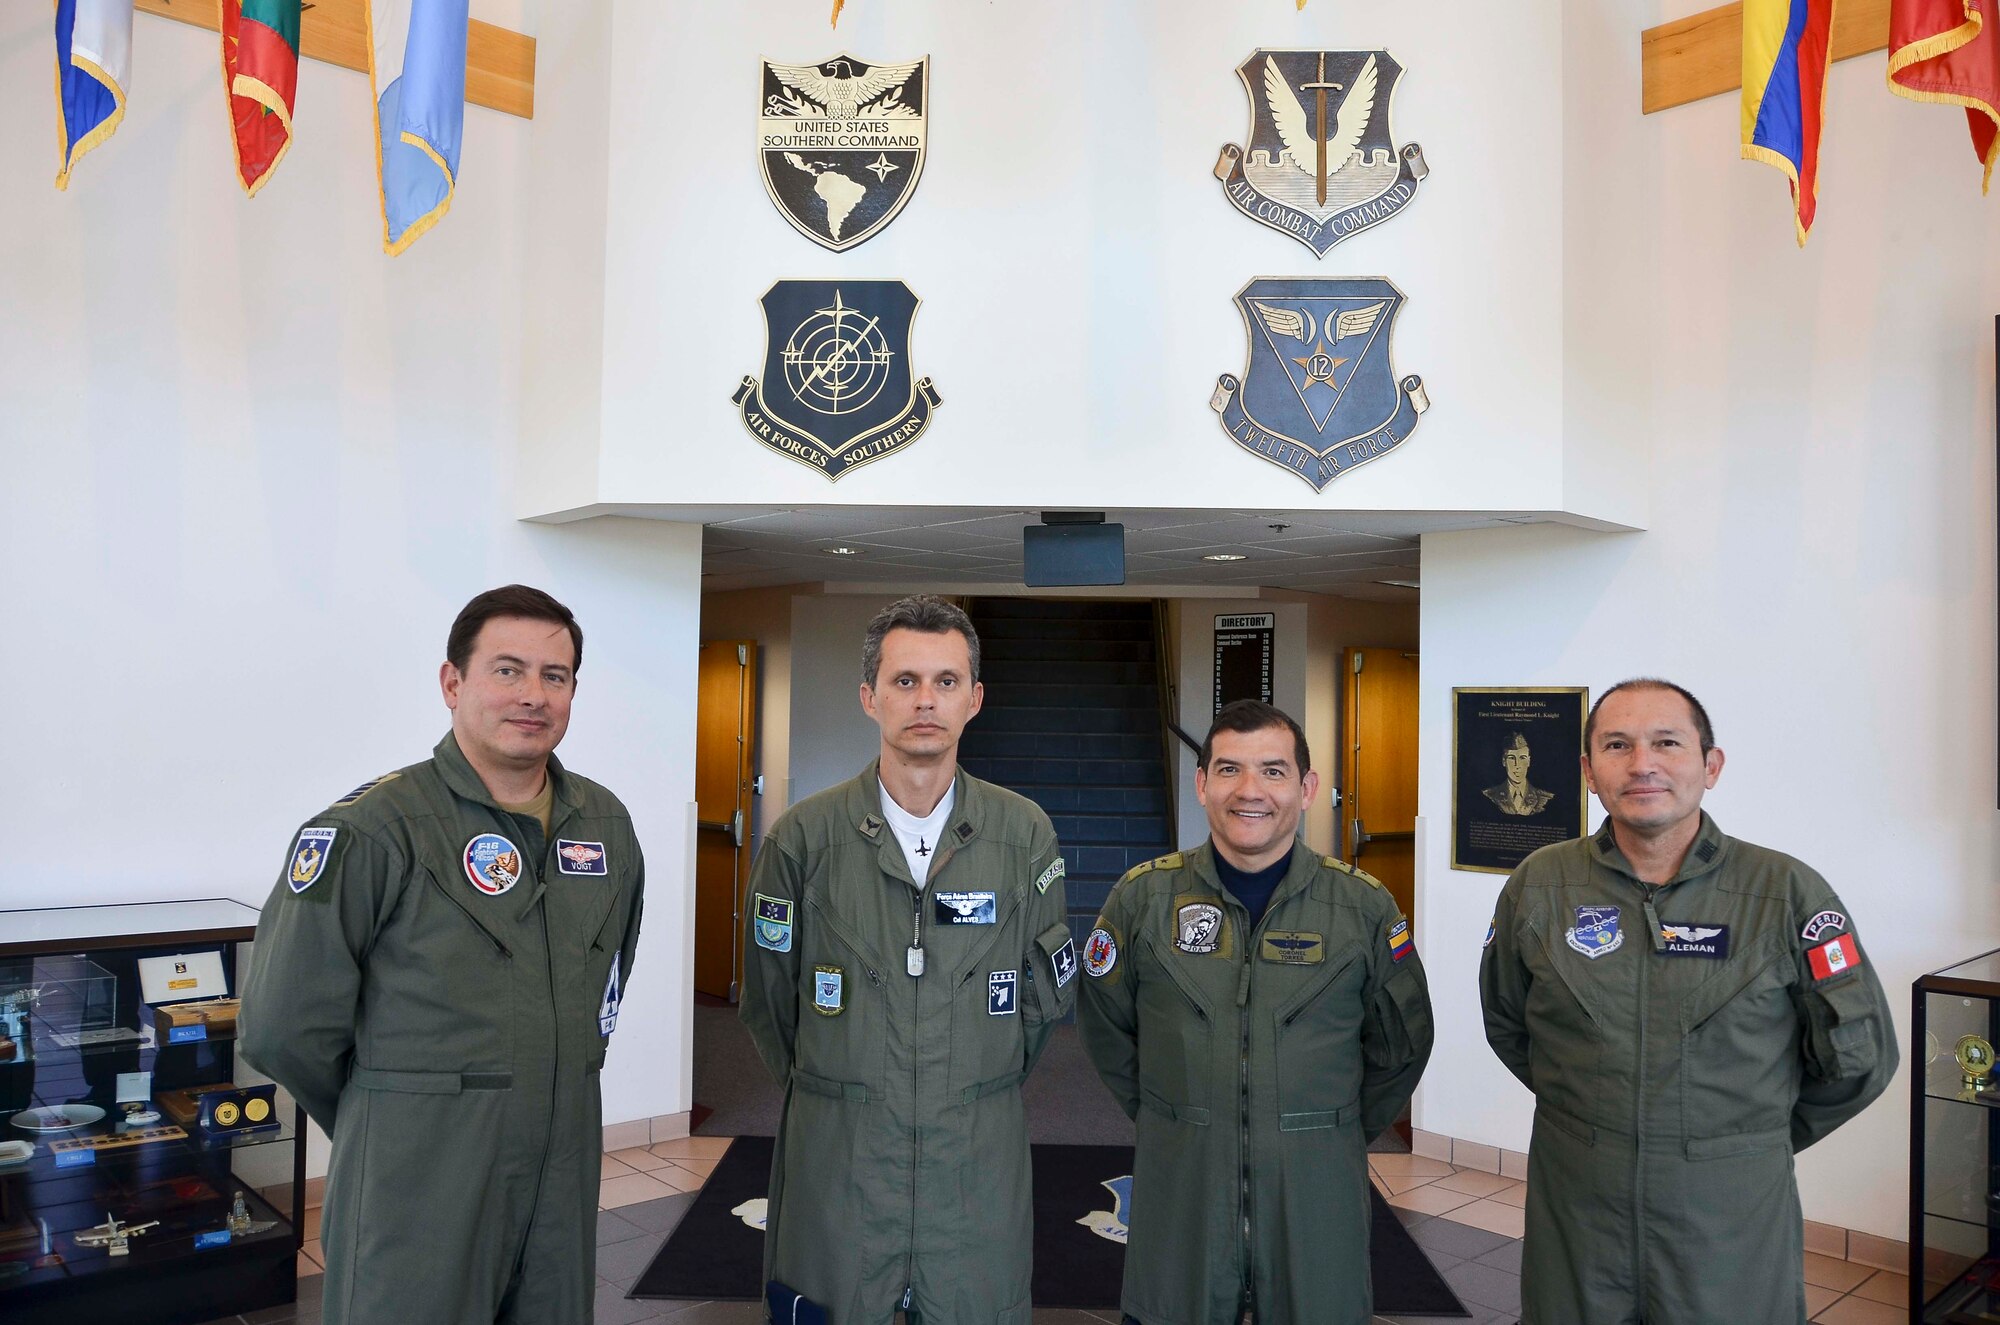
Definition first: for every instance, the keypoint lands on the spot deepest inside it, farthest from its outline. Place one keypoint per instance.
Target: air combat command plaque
(837, 391)
(1319, 393)
(1319, 163)
(841, 144)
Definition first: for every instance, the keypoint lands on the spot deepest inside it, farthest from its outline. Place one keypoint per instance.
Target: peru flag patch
(1830, 959)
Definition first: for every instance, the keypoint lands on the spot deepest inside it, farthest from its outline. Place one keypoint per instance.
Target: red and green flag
(260, 76)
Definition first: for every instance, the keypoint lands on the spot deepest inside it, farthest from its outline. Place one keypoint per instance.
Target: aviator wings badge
(1319, 394)
(841, 144)
(837, 390)
(1320, 163)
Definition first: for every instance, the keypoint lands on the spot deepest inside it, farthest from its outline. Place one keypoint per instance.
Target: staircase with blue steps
(1072, 721)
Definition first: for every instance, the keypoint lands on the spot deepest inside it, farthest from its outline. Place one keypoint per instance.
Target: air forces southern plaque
(1319, 394)
(837, 390)
(842, 144)
(1319, 163)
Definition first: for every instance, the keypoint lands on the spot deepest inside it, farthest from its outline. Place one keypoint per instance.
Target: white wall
(832, 739)
(1820, 567)
(1077, 261)
(253, 468)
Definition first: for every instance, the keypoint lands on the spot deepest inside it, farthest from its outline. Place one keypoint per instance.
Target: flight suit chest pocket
(1318, 1044)
(1739, 1048)
(842, 1037)
(1569, 1038)
(1178, 1031)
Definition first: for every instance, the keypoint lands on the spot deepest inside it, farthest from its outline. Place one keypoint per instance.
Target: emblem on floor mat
(1110, 1224)
(841, 144)
(1320, 163)
(837, 391)
(1319, 393)
(753, 1212)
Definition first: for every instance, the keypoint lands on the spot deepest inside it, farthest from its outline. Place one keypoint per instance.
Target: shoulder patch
(1821, 923)
(309, 857)
(1050, 875)
(367, 787)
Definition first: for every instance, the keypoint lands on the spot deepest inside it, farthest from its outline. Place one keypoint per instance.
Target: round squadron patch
(1100, 954)
(492, 863)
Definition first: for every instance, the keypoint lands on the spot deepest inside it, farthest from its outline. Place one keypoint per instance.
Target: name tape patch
(580, 857)
(1689, 940)
(978, 908)
(1293, 947)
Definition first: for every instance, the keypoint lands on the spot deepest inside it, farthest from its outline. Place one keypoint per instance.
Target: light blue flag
(417, 72)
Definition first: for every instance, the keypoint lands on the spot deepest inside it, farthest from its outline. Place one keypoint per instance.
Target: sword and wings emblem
(842, 92)
(1320, 152)
(1688, 933)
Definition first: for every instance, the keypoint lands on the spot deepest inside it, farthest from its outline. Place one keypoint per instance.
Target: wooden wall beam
(499, 65)
(1702, 55)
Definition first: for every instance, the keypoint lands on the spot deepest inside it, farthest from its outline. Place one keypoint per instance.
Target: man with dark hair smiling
(1689, 1011)
(906, 962)
(436, 977)
(1260, 1011)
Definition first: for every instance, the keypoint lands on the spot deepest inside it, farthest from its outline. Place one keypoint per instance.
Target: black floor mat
(714, 1255)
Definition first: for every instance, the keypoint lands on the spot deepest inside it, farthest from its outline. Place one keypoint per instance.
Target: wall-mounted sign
(837, 391)
(1319, 393)
(1244, 647)
(841, 144)
(1517, 783)
(1320, 163)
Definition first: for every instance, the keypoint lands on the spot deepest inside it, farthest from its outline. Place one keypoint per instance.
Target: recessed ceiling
(1351, 554)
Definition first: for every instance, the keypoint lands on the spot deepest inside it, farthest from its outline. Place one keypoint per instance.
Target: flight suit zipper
(466, 911)
(1248, 1298)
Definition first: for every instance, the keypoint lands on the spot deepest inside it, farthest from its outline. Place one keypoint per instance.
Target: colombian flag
(93, 69)
(260, 77)
(416, 69)
(1785, 58)
(1942, 50)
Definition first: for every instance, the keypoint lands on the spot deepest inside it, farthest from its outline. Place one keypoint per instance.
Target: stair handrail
(1166, 660)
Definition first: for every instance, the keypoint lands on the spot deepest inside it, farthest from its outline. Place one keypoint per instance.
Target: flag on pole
(416, 69)
(1943, 51)
(260, 78)
(93, 69)
(1785, 58)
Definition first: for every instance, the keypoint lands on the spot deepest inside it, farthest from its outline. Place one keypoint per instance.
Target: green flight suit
(902, 1153)
(1727, 1020)
(448, 1035)
(1257, 1064)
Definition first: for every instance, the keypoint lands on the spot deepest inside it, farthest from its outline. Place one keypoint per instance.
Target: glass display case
(135, 1146)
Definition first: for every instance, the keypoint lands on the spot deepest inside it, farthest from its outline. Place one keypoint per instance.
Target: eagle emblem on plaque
(841, 144)
(1319, 393)
(1319, 163)
(837, 390)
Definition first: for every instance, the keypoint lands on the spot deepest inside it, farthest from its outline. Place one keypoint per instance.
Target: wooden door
(1378, 812)
(725, 739)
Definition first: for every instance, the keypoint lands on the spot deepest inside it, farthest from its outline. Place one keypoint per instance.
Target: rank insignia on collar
(1319, 393)
(837, 391)
(1320, 163)
(828, 987)
(1000, 986)
(774, 923)
(309, 857)
(492, 863)
(579, 857)
(1596, 933)
(841, 144)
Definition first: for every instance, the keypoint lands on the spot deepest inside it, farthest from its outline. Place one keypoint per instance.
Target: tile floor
(1467, 1221)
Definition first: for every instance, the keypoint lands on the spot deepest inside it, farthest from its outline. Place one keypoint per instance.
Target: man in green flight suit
(1260, 1011)
(1690, 1011)
(906, 962)
(436, 976)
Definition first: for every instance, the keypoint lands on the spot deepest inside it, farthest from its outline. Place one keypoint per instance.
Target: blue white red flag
(93, 69)
(1785, 56)
(416, 69)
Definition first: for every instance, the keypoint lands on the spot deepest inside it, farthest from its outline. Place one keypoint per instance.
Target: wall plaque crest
(841, 144)
(837, 390)
(1320, 163)
(1319, 393)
